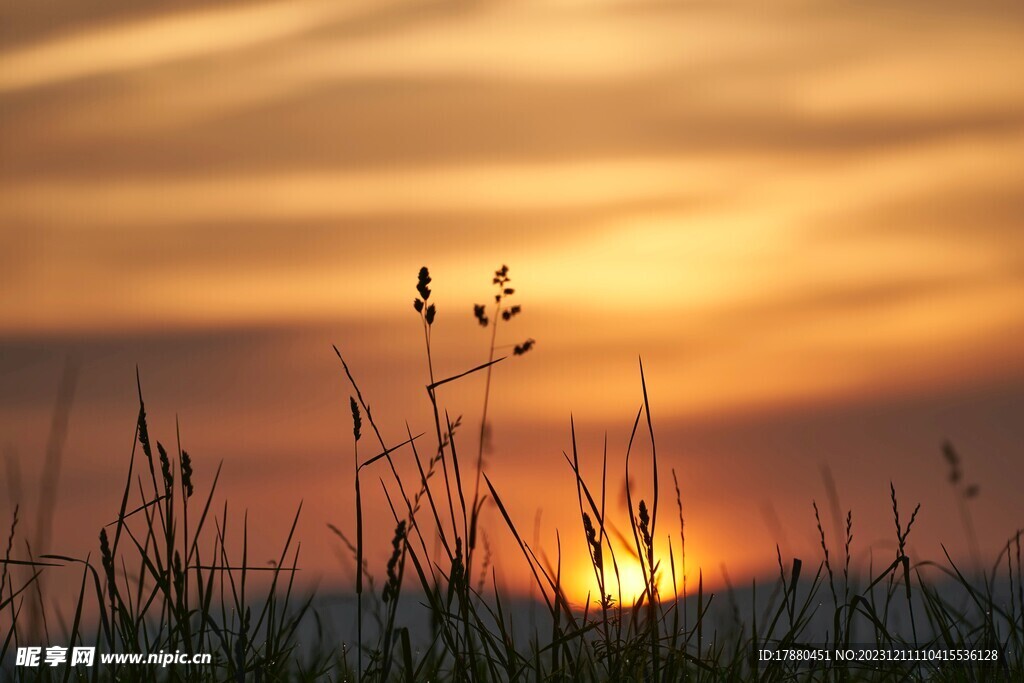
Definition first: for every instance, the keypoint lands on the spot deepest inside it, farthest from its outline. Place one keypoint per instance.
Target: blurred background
(806, 218)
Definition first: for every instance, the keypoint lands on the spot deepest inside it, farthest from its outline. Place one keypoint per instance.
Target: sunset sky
(807, 218)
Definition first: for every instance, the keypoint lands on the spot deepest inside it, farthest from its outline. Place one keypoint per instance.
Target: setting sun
(628, 585)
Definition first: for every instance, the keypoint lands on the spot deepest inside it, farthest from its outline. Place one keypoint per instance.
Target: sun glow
(627, 584)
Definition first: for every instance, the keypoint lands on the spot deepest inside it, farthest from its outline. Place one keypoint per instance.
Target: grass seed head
(645, 524)
(107, 558)
(391, 587)
(480, 315)
(186, 474)
(357, 420)
(144, 434)
(421, 284)
(165, 467)
(520, 349)
(593, 541)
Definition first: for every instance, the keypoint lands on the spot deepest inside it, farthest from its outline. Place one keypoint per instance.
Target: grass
(168, 576)
(153, 587)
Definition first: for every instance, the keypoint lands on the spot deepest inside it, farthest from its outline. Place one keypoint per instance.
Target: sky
(805, 218)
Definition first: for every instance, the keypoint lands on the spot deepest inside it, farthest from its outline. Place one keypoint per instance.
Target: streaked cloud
(151, 42)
